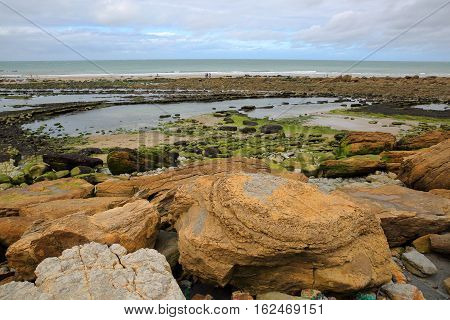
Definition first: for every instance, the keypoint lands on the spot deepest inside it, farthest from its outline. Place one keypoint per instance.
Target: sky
(231, 29)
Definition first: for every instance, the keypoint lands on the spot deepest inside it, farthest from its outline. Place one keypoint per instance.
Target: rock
(417, 263)
(361, 143)
(69, 161)
(11, 229)
(128, 161)
(48, 176)
(17, 178)
(227, 128)
(95, 178)
(249, 123)
(36, 170)
(247, 108)
(446, 283)
(440, 243)
(424, 140)
(4, 178)
(80, 170)
(167, 245)
(276, 296)
(351, 167)
(405, 214)
(311, 294)
(211, 152)
(134, 226)
(366, 296)
(96, 272)
(397, 273)
(62, 174)
(90, 151)
(428, 169)
(393, 159)
(5, 186)
(441, 192)
(199, 296)
(12, 200)
(271, 128)
(399, 291)
(422, 244)
(239, 295)
(260, 232)
(248, 130)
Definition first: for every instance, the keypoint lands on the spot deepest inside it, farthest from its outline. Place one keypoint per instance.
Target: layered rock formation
(405, 214)
(351, 167)
(98, 272)
(263, 233)
(428, 169)
(360, 143)
(134, 226)
(425, 140)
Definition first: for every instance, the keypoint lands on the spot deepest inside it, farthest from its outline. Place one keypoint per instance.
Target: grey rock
(402, 291)
(98, 272)
(417, 263)
(167, 245)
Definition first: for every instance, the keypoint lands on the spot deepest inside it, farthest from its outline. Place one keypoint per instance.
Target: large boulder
(428, 169)
(424, 140)
(166, 181)
(265, 233)
(405, 214)
(360, 143)
(68, 161)
(98, 272)
(351, 167)
(394, 159)
(13, 200)
(134, 226)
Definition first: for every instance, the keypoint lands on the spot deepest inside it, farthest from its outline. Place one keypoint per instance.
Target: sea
(217, 67)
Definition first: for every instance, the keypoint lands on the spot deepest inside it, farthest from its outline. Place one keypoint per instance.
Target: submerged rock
(98, 272)
(263, 233)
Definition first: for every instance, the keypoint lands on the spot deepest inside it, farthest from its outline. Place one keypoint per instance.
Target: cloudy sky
(266, 29)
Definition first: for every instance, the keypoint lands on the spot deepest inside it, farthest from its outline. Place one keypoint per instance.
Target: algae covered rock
(351, 167)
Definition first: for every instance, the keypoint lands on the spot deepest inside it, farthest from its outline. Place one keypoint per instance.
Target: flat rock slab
(405, 214)
(418, 264)
(12, 200)
(98, 272)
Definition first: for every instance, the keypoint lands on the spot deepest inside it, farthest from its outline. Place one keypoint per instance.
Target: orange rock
(393, 159)
(360, 143)
(422, 244)
(424, 140)
(199, 296)
(428, 169)
(397, 273)
(441, 192)
(265, 233)
(239, 295)
(134, 226)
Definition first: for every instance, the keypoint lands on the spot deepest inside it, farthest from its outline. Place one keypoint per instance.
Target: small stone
(417, 263)
(239, 295)
(398, 291)
(422, 244)
(199, 296)
(446, 284)
(311, 294)
(80, 170)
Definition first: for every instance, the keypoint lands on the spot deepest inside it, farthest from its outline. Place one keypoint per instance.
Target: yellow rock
(422, 244)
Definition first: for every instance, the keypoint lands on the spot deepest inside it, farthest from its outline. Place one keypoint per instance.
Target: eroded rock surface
(98, 272)
(263, 233)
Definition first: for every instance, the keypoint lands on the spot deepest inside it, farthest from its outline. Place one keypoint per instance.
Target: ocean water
(221, 68)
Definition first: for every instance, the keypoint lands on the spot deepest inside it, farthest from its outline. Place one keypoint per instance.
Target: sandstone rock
(424, 140)
(405, 214)
(12, 200)
(428, 169)
(239, 295)
(397, 273)
(167, 245)
(417, 263)
(422, 244)
(360, 143)
(398, 291)
(277, 296)
(134, 226)
(441, 192)
(351, 167)
(69, 161)
(169, 180)
(199, 296)
(393, 159)
(95, 178)
(261, 233)
(96, 272)
(447, 285)
(12, 228)
(440, 243)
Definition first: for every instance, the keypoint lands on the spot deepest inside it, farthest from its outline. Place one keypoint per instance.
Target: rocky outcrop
(98, 272)
(265, 233)
(351, 167)
(166, 181)
(68, 161)
(428, 169)
(424, 140)
(360, 143)
(134, 226)
(394, 159)
(405, 214)
(12, 200)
